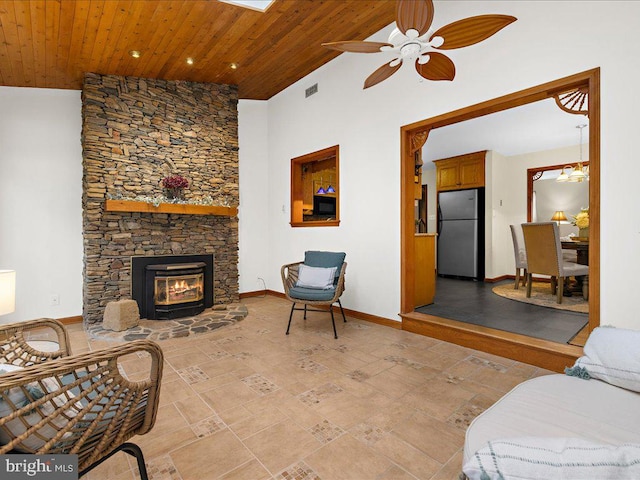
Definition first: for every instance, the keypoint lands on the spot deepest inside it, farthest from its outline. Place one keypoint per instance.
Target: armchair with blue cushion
(318, 281)
(54, 402)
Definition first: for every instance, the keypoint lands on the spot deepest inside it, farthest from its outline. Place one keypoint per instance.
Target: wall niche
(315, 189)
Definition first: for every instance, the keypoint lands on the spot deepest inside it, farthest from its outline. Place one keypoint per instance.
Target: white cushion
(19, 425)
(559, 406)
(315, 277)
(611, 355)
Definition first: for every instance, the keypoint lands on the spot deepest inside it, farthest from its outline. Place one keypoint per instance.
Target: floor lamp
(7, 291)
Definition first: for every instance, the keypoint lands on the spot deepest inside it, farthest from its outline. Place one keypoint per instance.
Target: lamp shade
(563, 177)
(559, 216)
(578, 174)
(7, 291)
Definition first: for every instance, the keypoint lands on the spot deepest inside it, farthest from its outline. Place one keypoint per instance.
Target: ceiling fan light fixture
(412, 33)
(436, 42)
(411, 38)
(410, 50)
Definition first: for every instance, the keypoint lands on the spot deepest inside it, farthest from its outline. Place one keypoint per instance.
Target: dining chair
(544, 257)
(520, 254)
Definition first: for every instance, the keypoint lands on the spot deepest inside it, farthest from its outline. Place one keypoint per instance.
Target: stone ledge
(208, 321)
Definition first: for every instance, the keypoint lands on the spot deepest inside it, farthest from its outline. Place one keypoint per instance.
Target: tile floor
(248, 402)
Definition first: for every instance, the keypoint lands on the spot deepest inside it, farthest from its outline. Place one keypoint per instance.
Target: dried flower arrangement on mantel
(174, 185)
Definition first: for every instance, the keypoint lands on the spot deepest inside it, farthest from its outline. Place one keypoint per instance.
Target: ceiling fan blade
(356, 46)
(439, 67)
(381, 74)
(416, 14)
(471, 30)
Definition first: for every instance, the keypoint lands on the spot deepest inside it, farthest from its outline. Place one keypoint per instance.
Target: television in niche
(324, 206)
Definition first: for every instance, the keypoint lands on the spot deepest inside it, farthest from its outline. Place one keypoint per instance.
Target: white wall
(254, 193)
(40, 200)
(541, 46)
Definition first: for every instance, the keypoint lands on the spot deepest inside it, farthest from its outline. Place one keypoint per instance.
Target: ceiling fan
(414, 39)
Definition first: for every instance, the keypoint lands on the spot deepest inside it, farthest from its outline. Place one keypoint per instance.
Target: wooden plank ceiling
(52, 43)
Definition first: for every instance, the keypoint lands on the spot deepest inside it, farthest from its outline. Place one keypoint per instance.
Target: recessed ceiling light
(135, 53)
(189, 61)
(233, 66)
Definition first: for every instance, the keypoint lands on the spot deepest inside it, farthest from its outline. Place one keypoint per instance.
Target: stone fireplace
(135, 132)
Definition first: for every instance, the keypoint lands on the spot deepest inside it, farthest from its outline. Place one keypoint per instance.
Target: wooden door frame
(494, 341)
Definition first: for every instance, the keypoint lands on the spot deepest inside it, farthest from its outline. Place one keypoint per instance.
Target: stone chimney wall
(135, 132)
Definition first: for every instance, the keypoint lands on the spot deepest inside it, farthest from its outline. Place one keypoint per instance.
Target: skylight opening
(259, 5)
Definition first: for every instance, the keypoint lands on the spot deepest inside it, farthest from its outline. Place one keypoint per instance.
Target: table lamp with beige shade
(559, 216)
(7, 291)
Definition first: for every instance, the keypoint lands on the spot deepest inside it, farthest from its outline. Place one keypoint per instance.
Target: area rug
(209, 320)
(541, 295)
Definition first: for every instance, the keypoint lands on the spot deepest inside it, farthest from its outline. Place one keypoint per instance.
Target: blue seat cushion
(314, 258)
(314, 294)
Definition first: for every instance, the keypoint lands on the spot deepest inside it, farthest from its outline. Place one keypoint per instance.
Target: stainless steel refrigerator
(461, 234)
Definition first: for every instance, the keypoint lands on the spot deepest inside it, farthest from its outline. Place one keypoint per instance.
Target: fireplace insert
(168, 287)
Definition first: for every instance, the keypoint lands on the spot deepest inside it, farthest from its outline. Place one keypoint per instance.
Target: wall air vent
(311, 90)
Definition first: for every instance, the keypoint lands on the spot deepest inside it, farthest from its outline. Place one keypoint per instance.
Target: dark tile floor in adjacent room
(474, 302)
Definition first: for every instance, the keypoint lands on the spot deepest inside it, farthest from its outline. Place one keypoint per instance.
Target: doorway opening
(543, 353)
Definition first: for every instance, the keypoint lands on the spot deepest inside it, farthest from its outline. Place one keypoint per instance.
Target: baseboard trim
(500, 278)
(367, 317)
(70, 320)
(256, 293)
(533, 351)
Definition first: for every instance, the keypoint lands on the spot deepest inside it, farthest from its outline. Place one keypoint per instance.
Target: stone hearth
(208, 321)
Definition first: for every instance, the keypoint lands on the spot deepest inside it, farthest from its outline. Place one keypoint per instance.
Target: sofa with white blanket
(582, 425)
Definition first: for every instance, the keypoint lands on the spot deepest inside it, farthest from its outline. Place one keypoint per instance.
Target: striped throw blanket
(540, 458)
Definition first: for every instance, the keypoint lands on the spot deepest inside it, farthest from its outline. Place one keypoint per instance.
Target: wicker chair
(79, 404)
(19, 342)
(311, 296)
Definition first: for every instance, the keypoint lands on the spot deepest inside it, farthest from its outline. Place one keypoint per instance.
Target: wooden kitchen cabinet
(425, 278)
(463, 171)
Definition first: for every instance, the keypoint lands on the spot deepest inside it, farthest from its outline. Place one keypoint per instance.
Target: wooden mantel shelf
(179, 208)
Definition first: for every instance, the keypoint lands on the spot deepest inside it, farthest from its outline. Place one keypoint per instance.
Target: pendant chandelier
(329, 189)
(579, 172)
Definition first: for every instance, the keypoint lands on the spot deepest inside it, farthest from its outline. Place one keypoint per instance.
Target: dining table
(582, 249)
